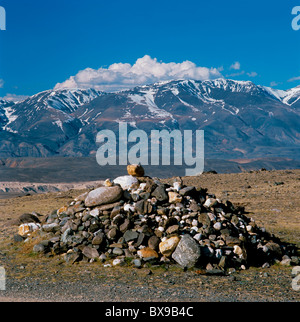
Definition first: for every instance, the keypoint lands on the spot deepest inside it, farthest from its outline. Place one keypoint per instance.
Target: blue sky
(47, 42)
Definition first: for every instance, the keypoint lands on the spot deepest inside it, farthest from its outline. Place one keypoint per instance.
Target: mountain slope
(240, 119)
(42, 122)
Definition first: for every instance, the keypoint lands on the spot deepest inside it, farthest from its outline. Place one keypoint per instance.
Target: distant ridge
(241, 120)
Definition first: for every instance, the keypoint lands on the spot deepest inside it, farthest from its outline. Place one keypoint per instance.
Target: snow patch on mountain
(147, 98)
(11, 117)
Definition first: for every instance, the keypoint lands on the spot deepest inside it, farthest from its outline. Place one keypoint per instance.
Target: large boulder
(187, 252)
(103, 195)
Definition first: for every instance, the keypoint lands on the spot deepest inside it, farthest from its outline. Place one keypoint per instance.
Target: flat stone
(90, 252)
(39, 248)
(147, 253)
(231, 241)
(51, 227)
(110, 206)
(187, 191)
(172, 229)
(72, 257)
(130, 235)
(103, 195)
(117, 251)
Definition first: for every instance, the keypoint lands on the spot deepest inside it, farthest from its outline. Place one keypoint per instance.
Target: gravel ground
(94, 283)
(38, 278)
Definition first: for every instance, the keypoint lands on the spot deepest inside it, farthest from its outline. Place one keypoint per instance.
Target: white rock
(217, 226)
(249, 228)
(195, 222)
(142, 186)
(27, 229)
(176, 186)
(126, 182)
(107, 265)
(198, 236)
(218, 253)
(207, 203)
(286, 262)
(128, 207)
(158, 219)
(118, 261)
(94, 212)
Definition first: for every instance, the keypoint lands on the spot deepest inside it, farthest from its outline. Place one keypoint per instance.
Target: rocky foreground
(135, 219)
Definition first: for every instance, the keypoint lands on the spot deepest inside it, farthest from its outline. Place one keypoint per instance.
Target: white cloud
(236, 74)
(14, 97)
(293, 79)
(146, 70)
(1, 83)
(252, 74)
(236, 66)
(274, 84)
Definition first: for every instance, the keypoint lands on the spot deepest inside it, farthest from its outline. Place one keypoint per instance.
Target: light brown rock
(147, 253)
(135, 170)
(174, 197)
(27, 229)
(168, 246)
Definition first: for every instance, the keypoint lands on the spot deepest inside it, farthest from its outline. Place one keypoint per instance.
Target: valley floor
(270, 197)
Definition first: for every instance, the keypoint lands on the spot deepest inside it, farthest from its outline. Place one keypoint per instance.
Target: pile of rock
(136, 219)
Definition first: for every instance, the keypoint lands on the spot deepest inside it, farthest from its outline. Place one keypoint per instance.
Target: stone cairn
(135, 219)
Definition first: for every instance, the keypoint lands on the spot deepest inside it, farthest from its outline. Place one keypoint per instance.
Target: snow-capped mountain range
(240, 119)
